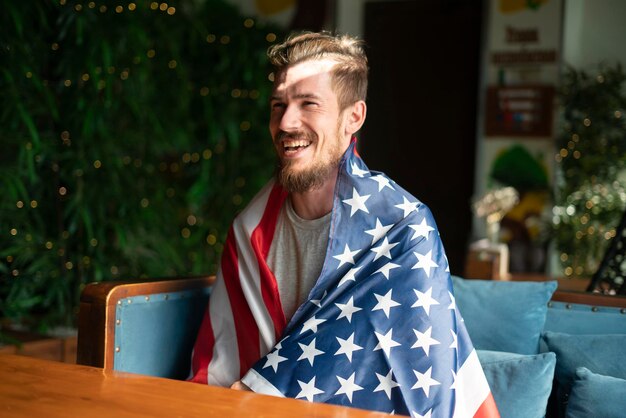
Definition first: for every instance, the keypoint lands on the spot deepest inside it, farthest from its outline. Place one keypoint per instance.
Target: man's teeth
(296, 144)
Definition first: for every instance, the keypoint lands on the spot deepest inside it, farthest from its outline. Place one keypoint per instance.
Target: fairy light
(211, 239)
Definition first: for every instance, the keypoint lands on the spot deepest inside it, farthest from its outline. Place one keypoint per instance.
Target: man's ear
(355, 117)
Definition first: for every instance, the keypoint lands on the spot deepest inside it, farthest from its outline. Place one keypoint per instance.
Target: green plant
(591, 167)
(132, 135)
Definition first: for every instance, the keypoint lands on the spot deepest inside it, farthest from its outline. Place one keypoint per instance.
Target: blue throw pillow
(595, 395)
(503, 316)
(600, 354)
(520, 384)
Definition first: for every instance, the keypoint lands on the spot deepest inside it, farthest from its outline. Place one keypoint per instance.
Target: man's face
(307, 126)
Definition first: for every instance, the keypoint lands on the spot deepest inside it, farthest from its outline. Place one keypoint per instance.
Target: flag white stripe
(223, 369)
(259, 384)
(471, 387)
(249, 275)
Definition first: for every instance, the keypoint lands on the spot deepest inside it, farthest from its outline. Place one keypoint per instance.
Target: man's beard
(312, 177)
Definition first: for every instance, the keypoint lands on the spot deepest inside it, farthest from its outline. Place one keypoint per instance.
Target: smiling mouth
(295, 146)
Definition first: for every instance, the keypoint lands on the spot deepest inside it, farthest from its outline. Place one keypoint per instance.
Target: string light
(211, 239)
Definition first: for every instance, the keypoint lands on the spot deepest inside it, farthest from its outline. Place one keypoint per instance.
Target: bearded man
(334, 285)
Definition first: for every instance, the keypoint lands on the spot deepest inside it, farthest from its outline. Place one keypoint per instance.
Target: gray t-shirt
(297, 255)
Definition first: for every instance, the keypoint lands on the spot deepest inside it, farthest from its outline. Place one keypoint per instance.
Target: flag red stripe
(488, 408)
(245, 326)
(203, 350)
(261, 240)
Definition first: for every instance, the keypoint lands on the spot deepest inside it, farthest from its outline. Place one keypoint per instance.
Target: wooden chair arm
(98, 302)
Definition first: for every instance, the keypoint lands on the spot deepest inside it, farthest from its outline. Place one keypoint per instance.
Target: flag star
(347, 347)
(350, 276)
(427, 415)
(384, 249)
(356, 171)
(311, 324)
(407, 206)
(424, 340)
(386, 269)
(453, 385)
(348, 387)
(385, 342)
(309, 352)
(424, 300)
(318, 302)
(447, 264)
(385, 303)
(421, 230)
(452, 301)
(357, 202)
(274, 359)
(455, 342)
(379, 231)
(382, 182)
(424, 381)
(308, 390)
(386, 383)
(347, 309)
(425, 262)
(346, 257)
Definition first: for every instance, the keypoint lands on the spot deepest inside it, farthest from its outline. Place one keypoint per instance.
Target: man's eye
(309, 104)
(278, 106)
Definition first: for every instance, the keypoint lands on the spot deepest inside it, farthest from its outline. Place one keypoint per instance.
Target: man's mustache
(282, 135)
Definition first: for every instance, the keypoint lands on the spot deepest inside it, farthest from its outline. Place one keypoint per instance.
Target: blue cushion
(504, 316)
(599, 353)
(520, 384)
(155, 335)
(574, 318)
(595, 395)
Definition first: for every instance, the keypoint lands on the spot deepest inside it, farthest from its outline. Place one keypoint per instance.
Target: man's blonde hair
(348, 76)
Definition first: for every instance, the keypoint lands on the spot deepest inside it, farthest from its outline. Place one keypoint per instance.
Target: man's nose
(290, 119)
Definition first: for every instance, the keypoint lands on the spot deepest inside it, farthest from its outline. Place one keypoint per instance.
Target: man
(334, 286)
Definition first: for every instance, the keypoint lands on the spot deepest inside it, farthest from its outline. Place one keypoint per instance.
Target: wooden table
(32, 387)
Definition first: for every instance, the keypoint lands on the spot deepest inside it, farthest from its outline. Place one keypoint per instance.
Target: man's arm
(240, 386)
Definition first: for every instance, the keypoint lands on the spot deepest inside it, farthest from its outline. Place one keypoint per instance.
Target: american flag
(380, 329)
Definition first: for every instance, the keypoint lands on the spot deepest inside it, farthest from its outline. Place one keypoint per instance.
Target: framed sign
(520, 110)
